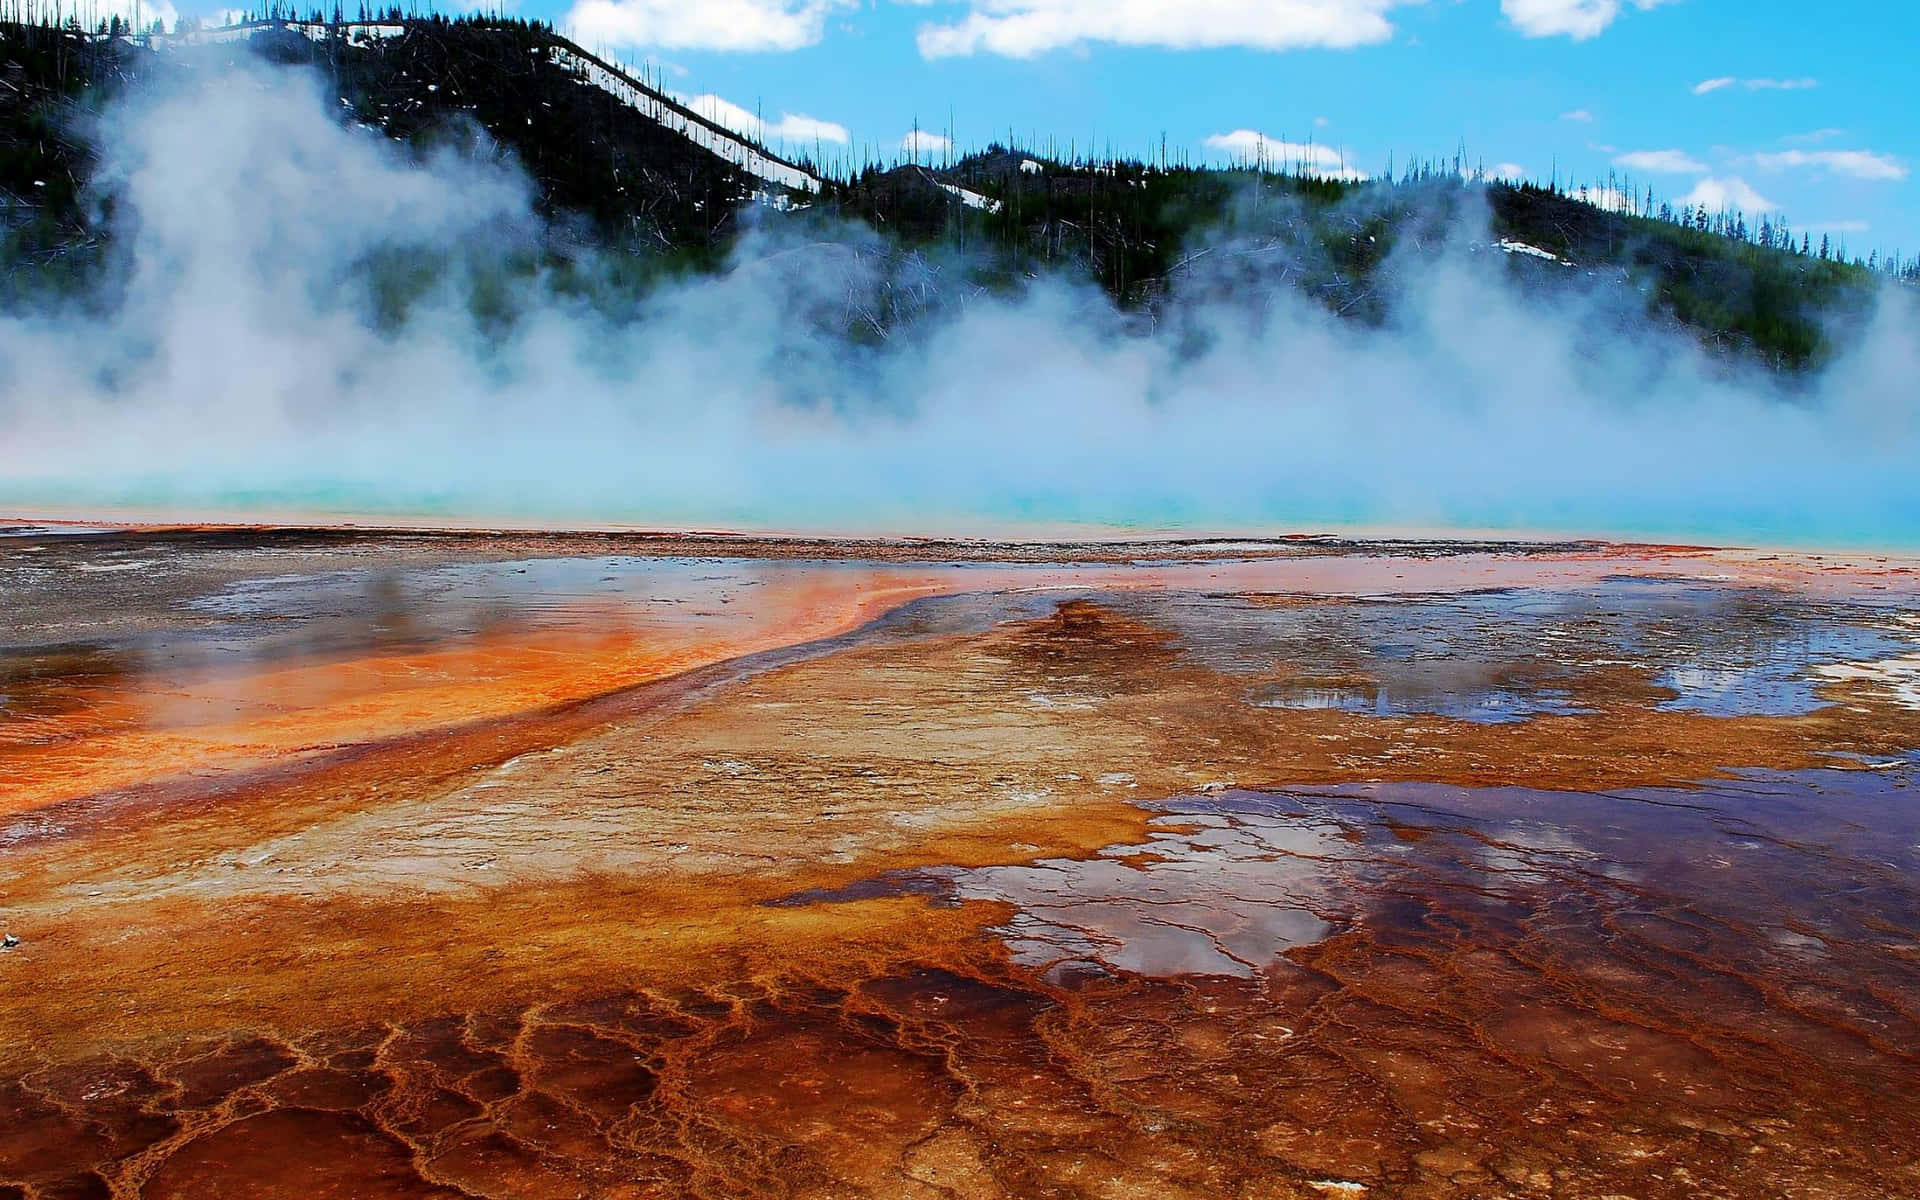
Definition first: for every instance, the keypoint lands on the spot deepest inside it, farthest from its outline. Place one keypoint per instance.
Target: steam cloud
(242, 370)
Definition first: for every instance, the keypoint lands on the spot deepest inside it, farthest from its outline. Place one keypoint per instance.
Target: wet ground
(376, 864)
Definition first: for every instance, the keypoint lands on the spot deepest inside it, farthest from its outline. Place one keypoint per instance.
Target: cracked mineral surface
(469, 865)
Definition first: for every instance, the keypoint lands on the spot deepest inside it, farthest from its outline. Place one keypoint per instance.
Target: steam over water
(244, 368)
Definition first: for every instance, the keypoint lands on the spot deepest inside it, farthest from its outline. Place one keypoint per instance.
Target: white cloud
(1506, 171)
(1855, 164)
(791, 127)
(1580, 115)
(1023, 28)
(1611, 199)
(1814, 137)
(1577, 19)
(1754, 85)
(144, 12)
(920, 142)
(740, 25)
(1718, 195)
(1666, 162)
(798, 127)
(1309, 158)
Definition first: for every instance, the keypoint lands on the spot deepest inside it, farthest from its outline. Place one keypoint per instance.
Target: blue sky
(1778, 105)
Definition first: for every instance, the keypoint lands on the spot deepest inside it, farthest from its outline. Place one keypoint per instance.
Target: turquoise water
(1886, 523)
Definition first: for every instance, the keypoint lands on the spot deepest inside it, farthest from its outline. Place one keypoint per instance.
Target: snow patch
(694, 128)
(1512, 247)
(655, 107)
(779, 201)
(319, 31)
(971, 199)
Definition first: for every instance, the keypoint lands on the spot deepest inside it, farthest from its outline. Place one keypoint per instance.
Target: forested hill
(623, 166)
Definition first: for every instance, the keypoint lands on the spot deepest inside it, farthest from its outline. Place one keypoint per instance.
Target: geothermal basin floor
(342, 863)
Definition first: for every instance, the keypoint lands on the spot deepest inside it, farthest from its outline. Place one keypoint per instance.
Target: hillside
(621, 165)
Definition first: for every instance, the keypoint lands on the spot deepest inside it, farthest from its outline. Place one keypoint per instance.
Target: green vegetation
(651, 204)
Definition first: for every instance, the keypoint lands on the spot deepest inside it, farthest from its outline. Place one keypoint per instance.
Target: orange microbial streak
(160, 725)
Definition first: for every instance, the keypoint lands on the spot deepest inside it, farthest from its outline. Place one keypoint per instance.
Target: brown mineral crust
(613, 1006)
(401, 539)
(914, 1080)
(843, 768)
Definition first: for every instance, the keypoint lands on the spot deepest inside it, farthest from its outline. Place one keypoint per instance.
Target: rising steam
(246, 365)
